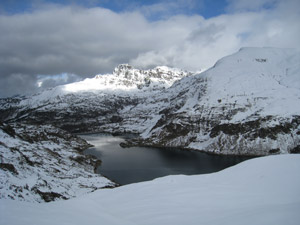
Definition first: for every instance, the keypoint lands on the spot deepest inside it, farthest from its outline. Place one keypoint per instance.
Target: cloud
(46, 81)
(168, 8)
(82, 42)
(210, 39)
(17, 83)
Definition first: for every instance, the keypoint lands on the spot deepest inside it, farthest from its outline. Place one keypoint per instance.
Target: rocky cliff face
(247, 104)
(43, 163)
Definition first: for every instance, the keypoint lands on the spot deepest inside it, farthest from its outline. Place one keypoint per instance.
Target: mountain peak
(125, 80)
(162, 72)
(126, 76)
(123, 67)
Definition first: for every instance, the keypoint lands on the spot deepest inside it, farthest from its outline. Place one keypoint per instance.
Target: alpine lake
(137, 164)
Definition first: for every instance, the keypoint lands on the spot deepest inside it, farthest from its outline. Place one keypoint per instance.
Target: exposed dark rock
(296, 149)
(7, 129)
(27, 160)
(125, 144)
(9, 167)
(176, 130)
(116, 119)
(49, 196)
(253, 128)
(274, 151)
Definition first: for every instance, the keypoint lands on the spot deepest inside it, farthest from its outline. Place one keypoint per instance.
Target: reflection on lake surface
(131, 165)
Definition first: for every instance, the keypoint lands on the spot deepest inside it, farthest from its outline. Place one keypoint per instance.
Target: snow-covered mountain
(248, 103)
(43, 163)
(104, 103)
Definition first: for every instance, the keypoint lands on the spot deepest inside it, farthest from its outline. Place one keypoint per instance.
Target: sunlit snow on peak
(96, 84)
(128, 79)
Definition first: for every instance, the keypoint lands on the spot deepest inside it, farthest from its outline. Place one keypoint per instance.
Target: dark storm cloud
(52, 81)
(50, 40)
(17, 83)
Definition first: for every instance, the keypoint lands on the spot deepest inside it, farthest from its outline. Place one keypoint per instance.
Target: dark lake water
(136, 164)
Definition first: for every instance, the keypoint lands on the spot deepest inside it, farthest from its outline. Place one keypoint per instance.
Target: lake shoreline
(138, 163)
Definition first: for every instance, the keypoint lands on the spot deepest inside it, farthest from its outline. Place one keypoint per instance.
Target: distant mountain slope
(247, 104)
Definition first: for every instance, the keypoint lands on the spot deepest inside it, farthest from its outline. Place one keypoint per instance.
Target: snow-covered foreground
(259, 191)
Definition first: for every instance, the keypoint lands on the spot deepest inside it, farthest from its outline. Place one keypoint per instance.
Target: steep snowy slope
(43, 163)
(248, 103)
(259, 191)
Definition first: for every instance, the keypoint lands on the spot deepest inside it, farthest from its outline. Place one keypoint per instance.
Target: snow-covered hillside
(43, 163)
(259, 191)
(247, 104)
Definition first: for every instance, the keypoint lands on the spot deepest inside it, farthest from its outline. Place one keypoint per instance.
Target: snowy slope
(248, 103)
(43, 163)
(259, 191)
(267, 77)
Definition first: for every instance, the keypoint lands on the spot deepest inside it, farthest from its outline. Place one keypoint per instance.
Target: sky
(44, 43)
